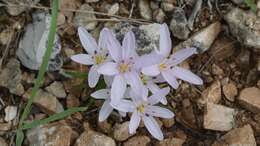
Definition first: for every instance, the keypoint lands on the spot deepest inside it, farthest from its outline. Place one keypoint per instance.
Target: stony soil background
(224, 111)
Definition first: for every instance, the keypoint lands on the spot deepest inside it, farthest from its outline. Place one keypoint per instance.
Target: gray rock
(92, 138)
(113, 9)
(159, 15)
(166, 6)
(245, 26)
(57, 89)
(3, 142)
(145, 10)
(10, 113)
(179, 24)
(147, 36)
(11, 77)
(121, 131)
(140, 140)
(86, 19)
(34, 43)
(16, 10)
(202, 39)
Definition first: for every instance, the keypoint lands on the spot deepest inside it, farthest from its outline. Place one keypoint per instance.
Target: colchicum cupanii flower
(133, 81)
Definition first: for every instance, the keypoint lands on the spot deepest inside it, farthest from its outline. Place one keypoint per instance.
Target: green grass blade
(19, 137)
(54, 117)
(44, 65)
(75, 74)
(251, 4)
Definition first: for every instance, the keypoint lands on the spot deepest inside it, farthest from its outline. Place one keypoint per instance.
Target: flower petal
(165, 41)
(135, 82)
(88, 42)
(118, 88)
(101, 94)
(157, 96)
(145, 60)
(128, 45)
(182, 55)
(105, 111)
(134, 122)
(82, 59)
(113, 45)
(108, 68)
(152, 70)
(108, 80)
(186, 75)
(153, 127)
(102, 39)
(93, 77)
(157, 111)
(168, 76)
(123, 105)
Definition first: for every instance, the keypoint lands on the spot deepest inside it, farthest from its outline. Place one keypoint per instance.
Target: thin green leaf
(75, 74)
(19, 137)
(54, 117)
(44, 65)
(251, 4)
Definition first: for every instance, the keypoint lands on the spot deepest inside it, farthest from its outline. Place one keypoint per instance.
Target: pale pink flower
(97, 54)
(126, 66)
(168, 67)
(145, 111)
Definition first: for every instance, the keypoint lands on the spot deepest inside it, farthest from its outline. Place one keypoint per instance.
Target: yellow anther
(123, 68)
(141, 108)
(162, 66)
(99, 59)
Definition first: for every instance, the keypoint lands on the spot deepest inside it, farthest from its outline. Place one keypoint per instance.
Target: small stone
(202, 39)
(243, 136)
(171, 142)
(6, 36)
(168, 123)
(72, 101)
(54, 134)
(105, 126)
(212, 94)
(92, 138)
(243, 59)
(46, 101)
(10, 113)
(145, 9)
(159, 15)
(121, 131)
(230, 91)
(2, 142)
(33, 44)
(5, 126)
(238, 2)
(166, 6)
(61, 19)
(57, 89)
(249, 98)
(179, 24)
(245, 26)
(91, 1)
(218, 117)
(113, 9)
(86, 19)
(154, 5)
(69, 52)
(216, 70)
(15, 11)
(11, 77)
(138, 141)
(69, 4)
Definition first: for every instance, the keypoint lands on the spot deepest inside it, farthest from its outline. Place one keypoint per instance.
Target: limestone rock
(92, 138)
(250, 99)
(15, 11)
(121, 131)
(243, 136)
(212, 94)
(33, 44)
(2, 142)
(245, 26)
(85, 19)
(57, 89)
(46, 101)
(10, 113)
(145, 10)
(230, 91)
(137, 141)
(11, 77)
(218, 117)
(171, 142)
(54, 134)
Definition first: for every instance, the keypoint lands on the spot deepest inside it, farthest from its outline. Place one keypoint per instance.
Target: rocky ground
(224, 111)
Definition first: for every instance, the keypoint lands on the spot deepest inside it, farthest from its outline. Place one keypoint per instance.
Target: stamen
(141, 108)
(123, 67)
(162, 66)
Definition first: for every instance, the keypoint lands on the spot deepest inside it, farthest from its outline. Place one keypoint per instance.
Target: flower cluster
(132, 80)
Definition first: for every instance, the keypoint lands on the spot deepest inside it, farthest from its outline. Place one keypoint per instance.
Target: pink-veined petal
(157, 111)
(157, 96)
(165, 41)
(148, 60)
(87, 41)
(93, 77)
(187, 75)
(83, 59)
(153, 127)
(152, 70)
(123, 105)
(118, 88)
(128, 45)
(101, 94)
(105, 111)
(170, 78)
(182, 55)
(113, 45)
(134, 122)
(108, 68)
